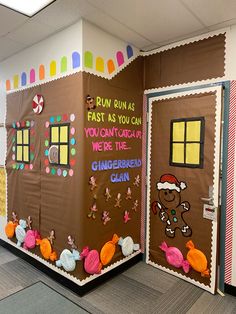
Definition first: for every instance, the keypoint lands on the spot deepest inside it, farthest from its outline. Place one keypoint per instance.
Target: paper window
(59, 144)
(23, 145)
(187, 142)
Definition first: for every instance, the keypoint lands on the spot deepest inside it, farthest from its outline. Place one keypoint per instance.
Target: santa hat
(170, 182)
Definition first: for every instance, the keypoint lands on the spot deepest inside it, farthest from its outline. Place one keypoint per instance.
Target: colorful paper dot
(64, 173)
(46, 143)
(72, 131)
(13, 148)
(51, 119)
(53, 171)
(71, 172)
(65, 117)
(31, 156)
(73, 151)
(72, 141)
(13, 157)
(17, 166)
(22, 166)
(18, 124)
(72, 117)
(59, 172)
(47, 169)
(31, 166)
(26, 166)
(46, 124)
(27, 123)
(23, 124)
(72, 162)
(46, 152)
(46, 162)
(14, 166)
(32, 132)
(32, 123)
(13, 140)
(58, 118)
(31, 147)
(46, 133)
(14, 125)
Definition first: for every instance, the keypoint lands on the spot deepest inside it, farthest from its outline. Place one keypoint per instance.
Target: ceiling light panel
(26, 7)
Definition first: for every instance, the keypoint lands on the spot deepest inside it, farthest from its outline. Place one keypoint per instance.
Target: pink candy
(30, 239)
(174, 257)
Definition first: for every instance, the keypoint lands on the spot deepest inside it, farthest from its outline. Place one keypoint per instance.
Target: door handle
(206, 199)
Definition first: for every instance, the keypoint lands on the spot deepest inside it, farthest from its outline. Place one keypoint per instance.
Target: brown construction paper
(63, 203)
(196, 179)
(200, 60)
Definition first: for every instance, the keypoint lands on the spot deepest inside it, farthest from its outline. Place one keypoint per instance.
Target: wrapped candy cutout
(197, 259)
(11, 226)
(108, 250)
(46, 247)
(30, 239)
(128, 246)
(92, 264)
(20, 232)
(68, 259)
(174, 257)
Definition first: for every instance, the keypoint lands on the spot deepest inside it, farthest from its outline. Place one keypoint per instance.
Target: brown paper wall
(192, 62)
(63, 203)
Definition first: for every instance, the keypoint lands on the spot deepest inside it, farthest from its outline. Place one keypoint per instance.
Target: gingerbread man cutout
(170, 207)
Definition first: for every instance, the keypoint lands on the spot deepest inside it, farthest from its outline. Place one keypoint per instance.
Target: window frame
(59, 125)
(201, 142)
(23, 145)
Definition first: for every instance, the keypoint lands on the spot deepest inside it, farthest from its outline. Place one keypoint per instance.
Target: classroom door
(183, 184)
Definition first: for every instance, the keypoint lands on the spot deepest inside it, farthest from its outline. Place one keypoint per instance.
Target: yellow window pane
(19, 153)
(193, 131)
(178, 131)
(19, 137)
(64, 134)
(26, 153)
(193, 154)
(63, 154)
(26, 136)
(55, 134)
(178, 153)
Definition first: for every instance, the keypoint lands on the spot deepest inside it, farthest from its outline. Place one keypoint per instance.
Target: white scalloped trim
(218, 92)
(68, 275)
(45, 81)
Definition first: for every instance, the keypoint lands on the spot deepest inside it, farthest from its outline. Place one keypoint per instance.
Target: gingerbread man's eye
(165, 193)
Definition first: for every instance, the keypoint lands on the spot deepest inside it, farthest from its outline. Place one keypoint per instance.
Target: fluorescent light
(27, 7)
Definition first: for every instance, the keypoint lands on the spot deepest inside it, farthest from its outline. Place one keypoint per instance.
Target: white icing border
(218, 92)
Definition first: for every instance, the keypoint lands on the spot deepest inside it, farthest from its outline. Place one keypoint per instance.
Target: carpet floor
(140, 289)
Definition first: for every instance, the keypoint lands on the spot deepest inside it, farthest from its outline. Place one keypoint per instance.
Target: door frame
(222, 114)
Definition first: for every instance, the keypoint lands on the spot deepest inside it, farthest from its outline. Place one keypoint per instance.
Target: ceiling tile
(117, 29)
(212, 12)
(9, 47)
(10, 20)
(31, 32)
(63, 13)
(157, 21)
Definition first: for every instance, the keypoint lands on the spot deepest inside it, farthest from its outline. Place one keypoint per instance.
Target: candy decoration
(92, 264)
(108, 250)
(197, 259)
(38, 104)
(127, 246)
(174, 257)
(68, 259)
(20, 232)
(11, 226)
(30, 239)
(46, 247)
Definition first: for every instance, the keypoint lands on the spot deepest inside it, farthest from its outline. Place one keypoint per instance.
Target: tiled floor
(141, 289)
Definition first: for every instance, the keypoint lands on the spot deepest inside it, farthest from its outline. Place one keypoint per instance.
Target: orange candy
(10, 229)
(197, 259)
(108, 250)
(46, 249)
